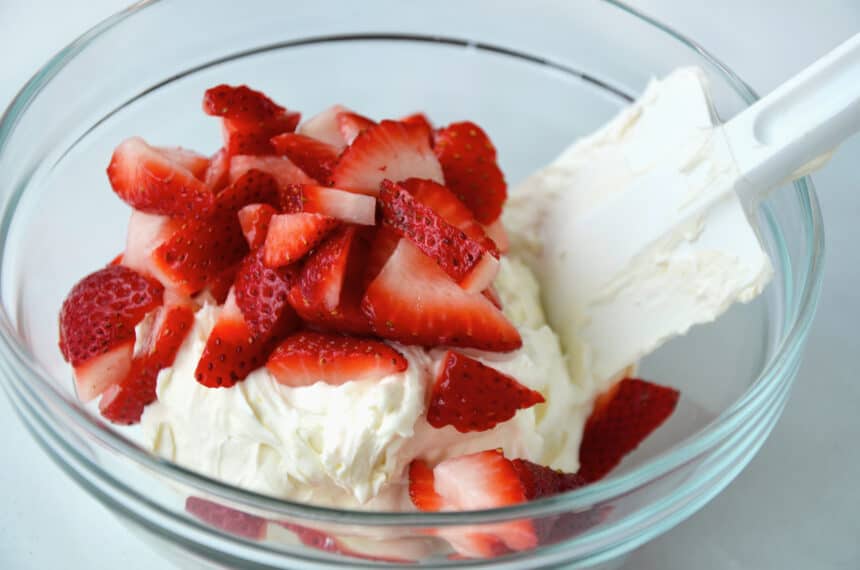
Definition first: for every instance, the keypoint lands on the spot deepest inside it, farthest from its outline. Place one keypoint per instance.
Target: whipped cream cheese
(349, 445)
(634, 232)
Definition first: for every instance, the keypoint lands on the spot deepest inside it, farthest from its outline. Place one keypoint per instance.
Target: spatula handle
(791, 131)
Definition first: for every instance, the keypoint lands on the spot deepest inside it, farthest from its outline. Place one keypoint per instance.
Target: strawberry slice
(218, 174)
(314, 157)
(346, 206)
(291, 236)
(261, 294)
(324, 127)
(309, 357)
(389, 150)
(123, 403)
(413, 301)
(464, 259)
(351, 125)
(484, 480)
(97, 323)
(496, 232)
(419, 119)
(384, 243)
(422, 487)
(324, 277)
(493, 296)
(278, 167)
(219, 286)
(226, 519)
(195, 163)
(254, 219)
(451, 209)
(468, 159)
(620, 420)
(474, 397)
(153, 180)
(540, 481)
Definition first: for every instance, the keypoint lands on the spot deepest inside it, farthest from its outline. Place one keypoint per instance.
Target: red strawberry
(123, 403)
(239, 103)
(196, 164)
(346, 206)
(496, 232)
(242, 138)
(309, 357)
(324, 127)
(117, 260)
(540, 481)
(278, 167)
(474, 397)
(419, 119)
(218, 174)
(422, 489)
(252, 187)
(323, 273)
(464, 259)
(484, 480)
(219, 286)
(231, 353)
(413, 301)
(450, 208)
(384, 243)
(97, 323)
(351, 125)
(146, 232)
(468, 159)
(493, 296)
(620, 420)
(291, 236)
(261, 294)
(389, 150)
(254, 219)
(314, 157)
(152, 180)
(226, 519)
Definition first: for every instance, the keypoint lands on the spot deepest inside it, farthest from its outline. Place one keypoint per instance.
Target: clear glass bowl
(536, 75)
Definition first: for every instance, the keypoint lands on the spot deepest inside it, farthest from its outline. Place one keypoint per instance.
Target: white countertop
(796, 507)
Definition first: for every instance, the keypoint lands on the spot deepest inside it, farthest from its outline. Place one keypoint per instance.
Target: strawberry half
(351, 125)
(195, 163)
(620, 420)
(413, 301)
(471, 396)
(321, 279)
(468, 159)
(97, 323)
(324, 127)
(314, 157)
(123, 403)
(419, 119)
(464, 259)
(422, 487)
(291, 236)
(254, 219)
(346, 206)
(389, 150)
(278, 167)
(496, 232)
(309, 357)
(261, 294)
(157, 181)
(540, 481)
(218, 174)
(226, 519)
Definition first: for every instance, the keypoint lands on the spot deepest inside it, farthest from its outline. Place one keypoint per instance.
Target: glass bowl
(536, 75)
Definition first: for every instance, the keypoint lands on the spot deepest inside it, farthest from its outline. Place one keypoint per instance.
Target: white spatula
(646, 227)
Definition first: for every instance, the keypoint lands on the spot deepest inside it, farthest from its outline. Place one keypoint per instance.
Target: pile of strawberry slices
(320, 241)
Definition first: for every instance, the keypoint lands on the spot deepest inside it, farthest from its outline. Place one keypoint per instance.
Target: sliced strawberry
(621, 419)
(484, 480)
(389, 150)
(226, 519)
(419, 119)
(123, 403)
(231, 353)
(464, 259)
(471, 396)
(97, 323)
(314, 157)
(195, 163)
(240, 103)
(346, 206)
(254, 219)
(450, 208)
(254, 139)
(254, 186)
(146, 232)
(496, 232)
(117, 260)
(493, 296)
(468, 159)
(261, 294)
(540, 481)
(324, 127)
(291, 236)
(150, 180)
(309, 357)
(413, 301)
(218, 174)
(384, 243)
(278, 167)
(422, 489)
(351, 125)
(321, 276)
(219, 286)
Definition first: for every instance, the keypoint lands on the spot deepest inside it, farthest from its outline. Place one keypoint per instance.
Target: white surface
(796, 507)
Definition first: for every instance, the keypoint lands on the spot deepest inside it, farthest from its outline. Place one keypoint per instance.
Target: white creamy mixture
(643, 275)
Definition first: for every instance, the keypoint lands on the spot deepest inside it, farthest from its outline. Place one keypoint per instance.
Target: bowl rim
(611, 487)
